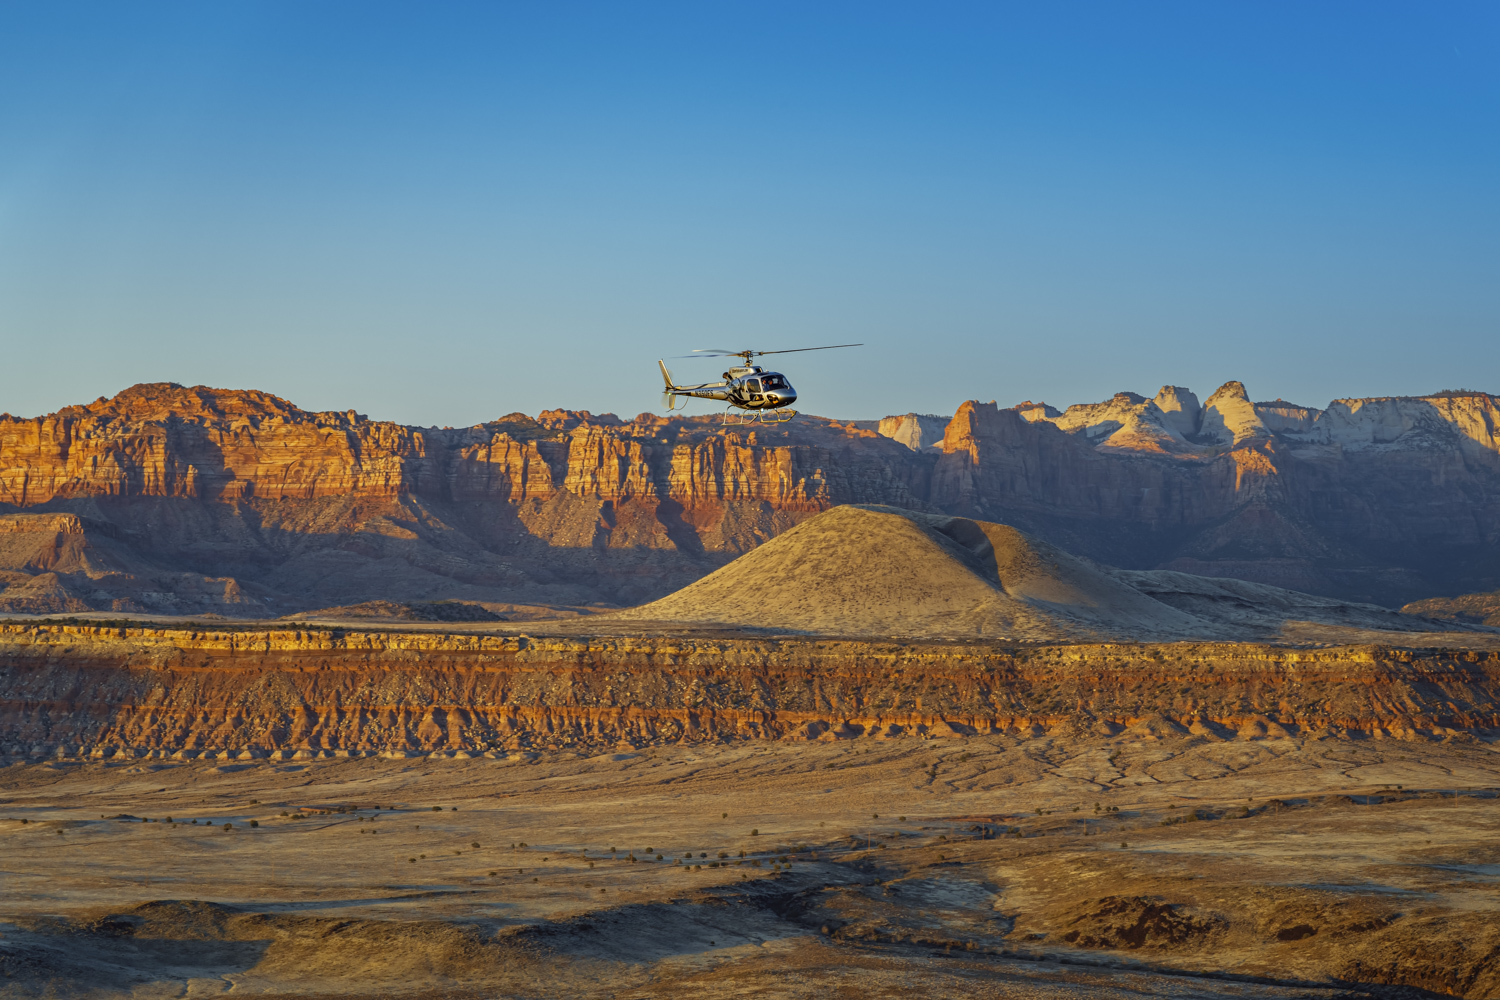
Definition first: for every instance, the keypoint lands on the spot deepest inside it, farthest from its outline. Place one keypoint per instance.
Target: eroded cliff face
(237, 502)
(307, 509)
(82, 688)
(1370, 499)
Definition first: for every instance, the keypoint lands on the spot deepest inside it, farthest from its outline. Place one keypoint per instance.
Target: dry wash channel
(92, 690)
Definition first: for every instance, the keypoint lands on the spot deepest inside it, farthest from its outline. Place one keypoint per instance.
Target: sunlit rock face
(197, 500)
(915, 430)
(191, 693)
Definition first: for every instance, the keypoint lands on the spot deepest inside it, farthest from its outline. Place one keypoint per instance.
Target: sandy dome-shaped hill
(868, 570)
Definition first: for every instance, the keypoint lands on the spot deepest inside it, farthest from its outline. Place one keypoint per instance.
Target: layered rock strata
(238, 502)
(93, 690)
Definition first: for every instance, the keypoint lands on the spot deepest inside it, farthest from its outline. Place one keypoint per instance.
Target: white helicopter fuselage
(746, 387)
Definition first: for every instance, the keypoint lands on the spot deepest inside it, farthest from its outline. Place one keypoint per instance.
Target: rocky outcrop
(87, 689)
(1475, 609)
(197, 500)
(915, 430)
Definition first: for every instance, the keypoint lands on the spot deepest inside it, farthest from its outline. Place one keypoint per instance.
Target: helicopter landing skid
(757, 416)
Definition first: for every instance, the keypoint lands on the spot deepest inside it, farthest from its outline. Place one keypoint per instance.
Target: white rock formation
(1180, 409)
(1229, 418)
(1469, 422)
(915, 430)
(1127, 422)
(1175, 424)
(1281, 417)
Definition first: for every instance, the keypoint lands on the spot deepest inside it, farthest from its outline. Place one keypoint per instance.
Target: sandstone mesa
(195, 500)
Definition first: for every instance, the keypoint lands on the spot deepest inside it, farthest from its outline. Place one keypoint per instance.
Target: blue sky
(441, 213)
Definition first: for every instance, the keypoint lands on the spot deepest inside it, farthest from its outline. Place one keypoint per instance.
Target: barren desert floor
(1150, 863)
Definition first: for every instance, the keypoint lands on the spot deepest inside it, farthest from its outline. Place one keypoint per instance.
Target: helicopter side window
(752, 384)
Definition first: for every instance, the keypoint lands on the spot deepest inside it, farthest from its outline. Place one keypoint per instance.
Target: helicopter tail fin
(668, 397)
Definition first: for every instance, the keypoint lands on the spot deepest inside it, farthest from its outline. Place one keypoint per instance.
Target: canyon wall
(84, 687)
(196, 500)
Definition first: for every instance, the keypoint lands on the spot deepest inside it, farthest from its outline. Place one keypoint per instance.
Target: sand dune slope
(860, 570)
(867, 570)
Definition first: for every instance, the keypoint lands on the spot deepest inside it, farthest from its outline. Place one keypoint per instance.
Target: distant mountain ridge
(198, 500)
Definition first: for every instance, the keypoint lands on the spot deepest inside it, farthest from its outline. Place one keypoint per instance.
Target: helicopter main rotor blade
(794, 350)
(717, 352)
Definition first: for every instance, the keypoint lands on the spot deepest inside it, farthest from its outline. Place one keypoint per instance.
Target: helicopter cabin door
(752, 386)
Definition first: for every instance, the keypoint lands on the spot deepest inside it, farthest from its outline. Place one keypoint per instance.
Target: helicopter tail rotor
(668, 397)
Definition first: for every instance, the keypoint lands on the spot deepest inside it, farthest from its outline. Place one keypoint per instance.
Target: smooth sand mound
(881, 571)
(866, 570)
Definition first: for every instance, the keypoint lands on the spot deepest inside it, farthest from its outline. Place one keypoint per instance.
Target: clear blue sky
(439, 213)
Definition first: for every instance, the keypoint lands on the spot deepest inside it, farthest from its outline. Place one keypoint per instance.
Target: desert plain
(582, 853)
(1154, 862)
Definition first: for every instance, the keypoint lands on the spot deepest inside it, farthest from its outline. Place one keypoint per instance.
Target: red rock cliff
(188, 495)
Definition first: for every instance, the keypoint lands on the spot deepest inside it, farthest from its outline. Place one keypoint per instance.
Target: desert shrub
(414, 861)
(475, 844)
(437, 809)
(755, 833)
(229, 826)
(255, 823)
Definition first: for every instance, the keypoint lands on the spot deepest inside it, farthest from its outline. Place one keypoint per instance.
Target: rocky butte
(198, 500)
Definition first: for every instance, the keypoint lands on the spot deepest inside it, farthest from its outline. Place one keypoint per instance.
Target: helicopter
(758, 395)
